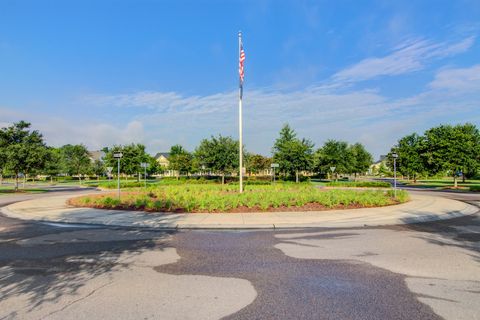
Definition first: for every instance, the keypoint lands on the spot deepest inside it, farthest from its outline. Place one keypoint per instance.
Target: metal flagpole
(240, 93)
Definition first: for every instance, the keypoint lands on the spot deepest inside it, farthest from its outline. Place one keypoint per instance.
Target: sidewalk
(420, 209)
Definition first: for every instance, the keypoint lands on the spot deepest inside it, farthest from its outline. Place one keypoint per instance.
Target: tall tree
(454, 149)
(53, 163)
(23, 149)
(130, 163)
(98, 168)
(409, 162)
(361, 159)
(334, 154)
(292, 154)
(76, 160)
(180, 160)
(219, 154)
(256, 163)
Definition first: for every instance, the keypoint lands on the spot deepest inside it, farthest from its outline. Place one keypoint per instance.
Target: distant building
(162, 159)
(375, 167)
(96, 155)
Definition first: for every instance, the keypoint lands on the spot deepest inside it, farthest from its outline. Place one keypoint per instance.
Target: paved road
(423, 271)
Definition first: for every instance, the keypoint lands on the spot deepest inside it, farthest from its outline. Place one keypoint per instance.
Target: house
(162, 159)
(96, 155)
(375, 167)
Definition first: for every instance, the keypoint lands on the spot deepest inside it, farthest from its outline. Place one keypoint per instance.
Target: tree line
(444, 150)
(24, 152)
(293, 155)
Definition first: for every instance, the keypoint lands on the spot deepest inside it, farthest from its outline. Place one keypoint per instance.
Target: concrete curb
(420, 209)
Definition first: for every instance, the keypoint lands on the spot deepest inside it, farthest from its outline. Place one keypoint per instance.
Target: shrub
(215, 197)
(475, 188)
(359, 184)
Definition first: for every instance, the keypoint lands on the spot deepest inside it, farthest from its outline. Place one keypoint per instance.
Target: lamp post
(395, 156)
(144, 166)
(118, 156)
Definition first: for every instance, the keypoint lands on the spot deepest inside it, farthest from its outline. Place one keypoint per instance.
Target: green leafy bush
(359, 184)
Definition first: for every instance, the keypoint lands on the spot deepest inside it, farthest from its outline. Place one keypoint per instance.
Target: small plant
(208, 197)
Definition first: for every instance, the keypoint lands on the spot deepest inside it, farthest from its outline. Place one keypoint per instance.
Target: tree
(454, 149)
(76, 160)
(409, 161)
(3, 155)
(153, 166)
(219, 154)
(130, 163)
(334, 154)
(23, 150)
(98, 168)
(361, 159)
(256, 163)
(292, 154)
(180, 160)
(53, 163)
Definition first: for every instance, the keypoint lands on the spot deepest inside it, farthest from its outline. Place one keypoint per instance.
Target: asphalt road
(422, 271)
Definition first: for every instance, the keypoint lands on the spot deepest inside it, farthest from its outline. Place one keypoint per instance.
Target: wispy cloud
(410, 56)
(317, 112)
(460, 80)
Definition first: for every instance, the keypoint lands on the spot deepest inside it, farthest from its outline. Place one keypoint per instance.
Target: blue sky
(165, 72)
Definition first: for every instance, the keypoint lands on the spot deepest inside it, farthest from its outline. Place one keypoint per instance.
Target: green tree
(23, 150)
(255, 163)
(180, 160)
(409, 162)
(130, 163)
(153, 166)
(334, 154)
(219, 154)
(361, 159)
(53, 163)
(292, 154)
(453, 149)
(76, 160)
(98, 168)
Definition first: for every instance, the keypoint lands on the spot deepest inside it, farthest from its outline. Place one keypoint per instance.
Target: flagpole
(240, 94)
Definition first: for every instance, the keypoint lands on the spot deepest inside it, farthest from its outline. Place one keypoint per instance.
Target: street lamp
(144, 166)
(395, 156)
(118, 156)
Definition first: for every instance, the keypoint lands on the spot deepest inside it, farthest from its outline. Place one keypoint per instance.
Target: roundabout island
(341, 214)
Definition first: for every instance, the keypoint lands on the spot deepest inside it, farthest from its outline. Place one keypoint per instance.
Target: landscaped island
(226, 198)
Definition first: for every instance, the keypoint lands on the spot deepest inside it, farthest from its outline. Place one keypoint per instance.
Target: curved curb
(420, 209)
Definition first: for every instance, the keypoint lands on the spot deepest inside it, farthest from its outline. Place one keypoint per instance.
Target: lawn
(469, 185)
(10, 189)
(218, 198)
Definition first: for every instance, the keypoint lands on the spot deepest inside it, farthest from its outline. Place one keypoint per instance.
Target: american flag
(241, 62)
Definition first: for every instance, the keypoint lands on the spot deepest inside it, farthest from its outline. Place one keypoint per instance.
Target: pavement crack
(77, 300)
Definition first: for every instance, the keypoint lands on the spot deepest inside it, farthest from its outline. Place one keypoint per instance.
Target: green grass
(218, 198)
(444, 183)
(11, 189)
(475, 188)
(358, 184)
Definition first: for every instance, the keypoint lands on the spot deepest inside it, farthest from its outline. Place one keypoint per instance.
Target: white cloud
(318, 113)
(460, 80)
(58, 132)
(410, 56)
